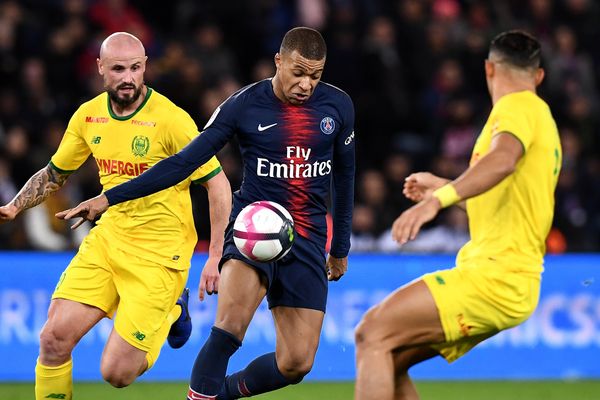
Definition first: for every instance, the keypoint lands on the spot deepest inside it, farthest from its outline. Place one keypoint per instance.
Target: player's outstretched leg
(260, 376)
(182, 328)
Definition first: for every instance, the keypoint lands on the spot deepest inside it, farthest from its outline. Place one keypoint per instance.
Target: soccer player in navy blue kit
(296, 136)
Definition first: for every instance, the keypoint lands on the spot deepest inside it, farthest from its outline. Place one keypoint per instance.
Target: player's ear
(489, 68)
(539, 76)
(277, 60)
(100, 66)
(144, 62)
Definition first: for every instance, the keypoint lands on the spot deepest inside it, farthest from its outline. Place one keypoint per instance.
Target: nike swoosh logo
(264, 128)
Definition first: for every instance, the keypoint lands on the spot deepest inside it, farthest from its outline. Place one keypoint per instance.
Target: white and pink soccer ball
(264, 231)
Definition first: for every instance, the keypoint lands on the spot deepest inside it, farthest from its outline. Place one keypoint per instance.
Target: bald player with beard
(130, 269)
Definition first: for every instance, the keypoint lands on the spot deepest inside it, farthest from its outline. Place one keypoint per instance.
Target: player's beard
(124, 101)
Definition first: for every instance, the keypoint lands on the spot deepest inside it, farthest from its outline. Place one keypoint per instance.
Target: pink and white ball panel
(263, 231)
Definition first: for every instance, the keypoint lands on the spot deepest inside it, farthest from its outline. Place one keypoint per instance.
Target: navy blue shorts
(297, 280)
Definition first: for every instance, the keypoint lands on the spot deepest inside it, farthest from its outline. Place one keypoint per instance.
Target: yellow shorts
(476, 302)
(139, 294)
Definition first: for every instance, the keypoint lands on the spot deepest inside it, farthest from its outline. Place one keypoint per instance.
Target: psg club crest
(327, 125)
(140, 146)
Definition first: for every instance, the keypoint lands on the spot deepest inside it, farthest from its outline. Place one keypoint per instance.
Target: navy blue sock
(210, 367)
(260, 376)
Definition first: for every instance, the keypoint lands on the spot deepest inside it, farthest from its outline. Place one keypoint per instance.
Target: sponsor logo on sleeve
(349, 139)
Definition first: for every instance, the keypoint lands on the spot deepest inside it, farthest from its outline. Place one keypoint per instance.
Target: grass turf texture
(455, 390)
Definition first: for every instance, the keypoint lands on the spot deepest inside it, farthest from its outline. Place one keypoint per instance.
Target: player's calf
(260, 376)
(208, 372)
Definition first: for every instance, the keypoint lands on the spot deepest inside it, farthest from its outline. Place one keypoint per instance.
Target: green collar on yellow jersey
(126, 117)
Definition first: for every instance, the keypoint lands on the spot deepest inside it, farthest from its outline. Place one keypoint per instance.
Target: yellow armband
(447, 195)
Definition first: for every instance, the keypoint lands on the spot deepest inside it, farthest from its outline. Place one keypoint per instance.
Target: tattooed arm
(41, 185)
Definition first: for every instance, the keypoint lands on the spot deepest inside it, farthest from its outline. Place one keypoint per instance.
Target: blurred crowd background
(414, 69)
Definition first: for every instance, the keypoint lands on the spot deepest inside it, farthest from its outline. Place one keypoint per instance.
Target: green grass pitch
(455, 390)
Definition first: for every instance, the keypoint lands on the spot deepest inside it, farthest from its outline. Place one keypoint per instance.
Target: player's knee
(365, 332)
(295, 373)
(55, 346)
(119, 372)
(233, 326)
(295, 368)
(118, 377)
(118, 381)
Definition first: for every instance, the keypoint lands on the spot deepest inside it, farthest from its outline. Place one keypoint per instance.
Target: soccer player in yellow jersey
(133, 265)
(509, 194)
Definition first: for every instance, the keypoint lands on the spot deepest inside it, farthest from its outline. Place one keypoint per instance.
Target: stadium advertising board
(560, 341)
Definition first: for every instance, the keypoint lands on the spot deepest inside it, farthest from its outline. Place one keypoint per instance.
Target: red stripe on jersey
(298, 123)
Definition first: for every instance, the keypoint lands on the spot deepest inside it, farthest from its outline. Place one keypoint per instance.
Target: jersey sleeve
(182, 131)
(174, 169)
(511, 116)
(343, 181)
(73, 150)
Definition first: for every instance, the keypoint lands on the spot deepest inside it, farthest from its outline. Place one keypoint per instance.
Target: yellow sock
(161, 336)
(54, 382)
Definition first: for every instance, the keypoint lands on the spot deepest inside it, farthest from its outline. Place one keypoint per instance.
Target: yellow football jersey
(509, 223)
(158, 227)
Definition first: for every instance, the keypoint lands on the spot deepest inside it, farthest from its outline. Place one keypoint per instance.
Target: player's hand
(8, 213)
(88, 210)
(336, 267)
(209, 279)
(409, 223)
(420, 185)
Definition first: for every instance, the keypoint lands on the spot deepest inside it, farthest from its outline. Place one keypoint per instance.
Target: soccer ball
(264, 231)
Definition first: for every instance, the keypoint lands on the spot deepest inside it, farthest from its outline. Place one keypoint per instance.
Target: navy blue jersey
(291, 155)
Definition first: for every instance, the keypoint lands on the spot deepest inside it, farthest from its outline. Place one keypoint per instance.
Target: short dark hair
(518, 48)
(306, 41)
